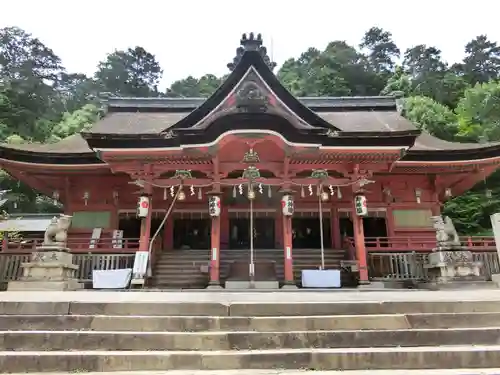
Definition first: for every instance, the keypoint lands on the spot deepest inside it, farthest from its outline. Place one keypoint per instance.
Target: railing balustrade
(410, 265)
(77, 245)
(421, 243)
(10, 264)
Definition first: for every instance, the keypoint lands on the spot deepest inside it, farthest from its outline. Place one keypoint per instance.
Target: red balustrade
(76, 244)
(373, 244)
(420, 243)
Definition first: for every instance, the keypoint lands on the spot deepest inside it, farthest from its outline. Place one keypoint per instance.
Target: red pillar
(359, 241)
(215, 252)
(146, 221)
(215, 233)
(289, 281)
(287, 246)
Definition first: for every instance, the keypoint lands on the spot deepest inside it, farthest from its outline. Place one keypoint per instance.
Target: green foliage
(479, 112)
(471, 211)
(191, 87)
(76, 121)
(431, 116)
(134, 72)
(400, 82)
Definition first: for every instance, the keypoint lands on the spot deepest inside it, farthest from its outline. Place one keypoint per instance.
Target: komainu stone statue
(446, 234)
(450, 263)
(56, 234)
(51, 265)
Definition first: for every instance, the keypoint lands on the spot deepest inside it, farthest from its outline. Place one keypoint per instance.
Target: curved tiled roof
(74, 144)
(152, 123)
(427, 142)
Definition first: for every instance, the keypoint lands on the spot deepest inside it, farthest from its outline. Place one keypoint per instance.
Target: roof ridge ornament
(251, 43)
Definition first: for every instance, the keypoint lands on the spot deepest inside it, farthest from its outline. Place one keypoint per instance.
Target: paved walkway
(295, 372)
(253, 297)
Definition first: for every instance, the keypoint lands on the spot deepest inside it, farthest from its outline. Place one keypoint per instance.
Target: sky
(195, 37)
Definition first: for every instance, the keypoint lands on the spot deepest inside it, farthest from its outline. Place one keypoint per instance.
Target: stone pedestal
(50, 268)
(453, 268)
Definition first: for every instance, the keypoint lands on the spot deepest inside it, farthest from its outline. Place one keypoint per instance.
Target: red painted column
(215, 233)
(146, 221)
(215, 252)
(359, 241)
(289, 281)
(287, 246)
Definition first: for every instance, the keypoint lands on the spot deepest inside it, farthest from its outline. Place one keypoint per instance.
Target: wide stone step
(309, 359)
(92, 340)
(479, 371)
(260, 324)
(246, 309)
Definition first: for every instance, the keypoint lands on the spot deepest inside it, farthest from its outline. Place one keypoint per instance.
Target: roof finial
(251, 43)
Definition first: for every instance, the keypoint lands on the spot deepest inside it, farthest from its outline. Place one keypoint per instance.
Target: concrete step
(258, 324)
(216, 341)
(482, 371)
(246, 309)
(454, 357)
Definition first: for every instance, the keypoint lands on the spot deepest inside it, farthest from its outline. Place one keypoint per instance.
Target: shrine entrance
(306, 233)
(263, 233)
(373, 227)
(191, 233)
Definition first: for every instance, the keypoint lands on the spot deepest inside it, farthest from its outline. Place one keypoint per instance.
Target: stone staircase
(79, 337)
(302, 259)
(182, 268)
(178, 269)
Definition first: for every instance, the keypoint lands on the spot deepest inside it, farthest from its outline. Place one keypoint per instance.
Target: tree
(339, 70)
(191, 87)
(482, 61)
(471, 212)
(23, 57)
(398, 82)
(424, 66)
(75, 122)
(134, 72)
(76, 90)
(479, 113)
(381, 49)
(431, 116)
(29, 71)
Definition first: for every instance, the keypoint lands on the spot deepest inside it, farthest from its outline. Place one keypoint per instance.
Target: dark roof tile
(136, 122)
(367, 121)
(190, 104)
(74, 144)
(427, 142)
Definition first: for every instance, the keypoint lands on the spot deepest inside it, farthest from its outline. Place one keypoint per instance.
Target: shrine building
(251, 143)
